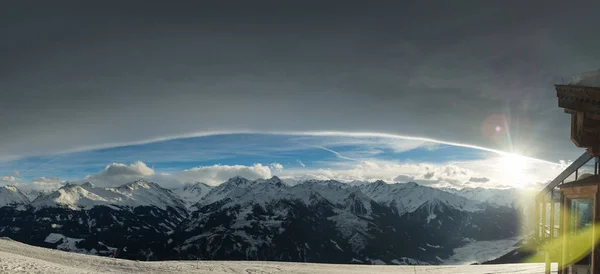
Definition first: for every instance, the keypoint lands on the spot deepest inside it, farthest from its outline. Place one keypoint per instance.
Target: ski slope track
(17, 257)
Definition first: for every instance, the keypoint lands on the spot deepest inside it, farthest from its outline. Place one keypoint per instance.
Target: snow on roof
(588, 79)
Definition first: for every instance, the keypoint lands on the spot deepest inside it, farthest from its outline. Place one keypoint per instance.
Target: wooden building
(568, 209)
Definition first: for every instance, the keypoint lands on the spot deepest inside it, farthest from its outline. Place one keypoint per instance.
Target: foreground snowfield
(17, 257)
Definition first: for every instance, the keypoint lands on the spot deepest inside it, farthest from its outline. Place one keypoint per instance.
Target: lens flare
(578, 246)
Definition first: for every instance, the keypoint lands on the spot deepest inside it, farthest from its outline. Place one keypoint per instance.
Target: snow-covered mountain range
(265, 219)
(11, 195)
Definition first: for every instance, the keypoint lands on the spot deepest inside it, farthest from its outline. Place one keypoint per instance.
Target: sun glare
(512, 165)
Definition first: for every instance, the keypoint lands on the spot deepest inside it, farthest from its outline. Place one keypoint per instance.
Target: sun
(512, 165)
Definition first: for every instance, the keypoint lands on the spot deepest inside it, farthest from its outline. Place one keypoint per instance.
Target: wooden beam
(582, 93)
(544, 220)
(551, 236)
(566, 227)
(538, 222)
(561, 231)
(552, 205)
(594, 151)
(579, 105)
(592, 243)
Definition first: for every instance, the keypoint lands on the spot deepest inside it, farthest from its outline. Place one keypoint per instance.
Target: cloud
(372, 145)
(403, 179)
(471, 173)
(116, 174)
(479, 179)
(486, 172)
(217, 174)
(45, 184)
(428, 175)
(276, 166)
(39, 184)
(136, 169)
(337, 154)
(390, 171)
(9, 179)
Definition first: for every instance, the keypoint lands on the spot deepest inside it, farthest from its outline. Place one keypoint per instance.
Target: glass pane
(587, 169)
(581, 214)
(571, 178)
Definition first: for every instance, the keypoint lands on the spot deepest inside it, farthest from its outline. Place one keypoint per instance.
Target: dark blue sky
(239, 149)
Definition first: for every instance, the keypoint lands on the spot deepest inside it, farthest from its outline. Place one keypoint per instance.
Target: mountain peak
(10, 194)
(237, 178)
(133, 194)
(237, 181)
(11, 188)
(411, 184)
(273, 180)
(379, 183)
(87, 185)
(192, 193)
(197, 186)
(140, 183)
(68, 185)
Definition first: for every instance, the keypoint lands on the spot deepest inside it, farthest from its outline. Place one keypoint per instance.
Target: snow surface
(352, 217)
(12, 195)
(357, 197)
(86, 196)
(192, 193)
(410, 196)
(481, 251)
(509, 197)
(588, 79)
(406, 197)
(17, 257)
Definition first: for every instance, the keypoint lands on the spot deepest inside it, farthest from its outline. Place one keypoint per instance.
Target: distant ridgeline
(314, 221)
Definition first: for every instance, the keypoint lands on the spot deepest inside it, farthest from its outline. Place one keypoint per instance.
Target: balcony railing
(549, 207)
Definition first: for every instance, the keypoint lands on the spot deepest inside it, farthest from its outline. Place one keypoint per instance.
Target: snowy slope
(408, 197)
(501, 197)
(10, 195)
(32, 193)
(519, 199)
(264, 219)
(192, 193)
(481, 251)
(354, 222)
(16, 257)
(238, 190)
(134, 194)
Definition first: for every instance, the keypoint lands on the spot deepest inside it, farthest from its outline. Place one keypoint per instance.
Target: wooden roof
(578, 98)
(583, 103)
